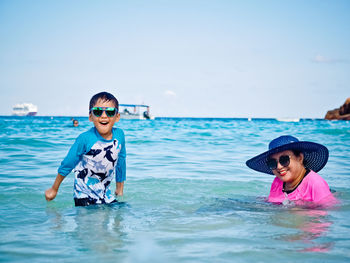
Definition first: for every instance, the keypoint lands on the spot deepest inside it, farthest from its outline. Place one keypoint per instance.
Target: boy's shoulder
(93, 135)
(87, 136)
(117, 130)
(118, 133)
(89, 132)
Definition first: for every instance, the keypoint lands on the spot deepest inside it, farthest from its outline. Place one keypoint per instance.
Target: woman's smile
(283, 172)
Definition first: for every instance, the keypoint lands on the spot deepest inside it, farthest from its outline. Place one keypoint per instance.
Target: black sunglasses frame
(284, 160)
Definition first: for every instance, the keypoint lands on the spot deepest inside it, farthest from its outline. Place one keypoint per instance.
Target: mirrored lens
(97, 112)
(110, 112)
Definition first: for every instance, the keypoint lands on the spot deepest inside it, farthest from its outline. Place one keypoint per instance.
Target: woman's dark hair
(297, 153)
(105, 96)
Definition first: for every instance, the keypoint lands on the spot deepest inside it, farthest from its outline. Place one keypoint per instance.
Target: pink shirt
(313, 188)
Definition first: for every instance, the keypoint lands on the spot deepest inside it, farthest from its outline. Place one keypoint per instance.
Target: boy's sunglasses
(284, 160)
(98, 111)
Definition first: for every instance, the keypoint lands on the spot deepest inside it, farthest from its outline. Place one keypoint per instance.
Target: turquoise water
(188, 196)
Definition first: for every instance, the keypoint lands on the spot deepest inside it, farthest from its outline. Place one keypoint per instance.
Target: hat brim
(315, 156)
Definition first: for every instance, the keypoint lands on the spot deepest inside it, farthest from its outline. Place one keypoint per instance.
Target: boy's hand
(118, 193)
(50, 194)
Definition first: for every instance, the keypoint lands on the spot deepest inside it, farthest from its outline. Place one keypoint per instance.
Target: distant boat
(289, 119)
(24, 109)
(135, 112)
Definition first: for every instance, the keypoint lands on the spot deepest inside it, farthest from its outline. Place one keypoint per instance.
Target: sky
(268, 59)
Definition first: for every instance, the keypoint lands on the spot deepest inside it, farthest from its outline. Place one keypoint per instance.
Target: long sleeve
(120, 169)
(73, 156)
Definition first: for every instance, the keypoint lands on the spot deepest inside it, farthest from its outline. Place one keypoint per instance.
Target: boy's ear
(117, 117)
(90, 117)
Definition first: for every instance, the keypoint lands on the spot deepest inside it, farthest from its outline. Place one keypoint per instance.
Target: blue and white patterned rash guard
(95, 160)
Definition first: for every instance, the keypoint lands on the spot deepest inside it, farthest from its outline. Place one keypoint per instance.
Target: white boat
(24, 109)
(135, 112)
(288, 119)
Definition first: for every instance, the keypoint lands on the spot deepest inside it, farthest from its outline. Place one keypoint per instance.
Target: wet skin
(104, 124)
(293, 173)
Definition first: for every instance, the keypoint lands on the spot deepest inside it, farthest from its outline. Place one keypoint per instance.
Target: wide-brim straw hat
(315, 155)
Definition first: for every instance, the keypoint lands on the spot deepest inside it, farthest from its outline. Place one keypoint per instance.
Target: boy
(94, 156)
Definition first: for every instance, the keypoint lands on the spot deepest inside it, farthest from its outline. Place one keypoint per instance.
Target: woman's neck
(292, 185)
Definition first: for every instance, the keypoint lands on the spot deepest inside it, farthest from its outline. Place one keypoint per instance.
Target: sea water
(189, 196)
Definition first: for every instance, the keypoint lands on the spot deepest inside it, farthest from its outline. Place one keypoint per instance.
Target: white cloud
(169, 93)
(322, 59)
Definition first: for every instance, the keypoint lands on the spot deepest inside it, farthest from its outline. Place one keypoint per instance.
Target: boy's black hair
(105, 96)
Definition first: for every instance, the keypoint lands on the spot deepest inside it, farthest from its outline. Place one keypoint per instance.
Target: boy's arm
(119, 189)
(51, 193)
(74, 155)
(120, 169)
(69, 162)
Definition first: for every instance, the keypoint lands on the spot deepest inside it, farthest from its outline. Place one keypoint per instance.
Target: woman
(295, 164)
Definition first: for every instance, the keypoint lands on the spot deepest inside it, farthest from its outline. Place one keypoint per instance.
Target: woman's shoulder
(276, 184)
(276, 194)
(314, 177)
(318, 188)
(316, 182)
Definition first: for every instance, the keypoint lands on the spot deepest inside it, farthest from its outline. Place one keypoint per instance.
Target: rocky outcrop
(342, 113)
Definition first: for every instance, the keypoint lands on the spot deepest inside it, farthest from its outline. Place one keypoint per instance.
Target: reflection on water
(96, 229)
(310, 224)
(191, 198)
(304, 222)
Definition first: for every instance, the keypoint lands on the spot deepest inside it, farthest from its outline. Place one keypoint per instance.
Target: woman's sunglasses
(98, 111)
(284, 160)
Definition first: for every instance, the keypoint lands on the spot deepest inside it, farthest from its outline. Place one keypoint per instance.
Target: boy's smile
(104, 124)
